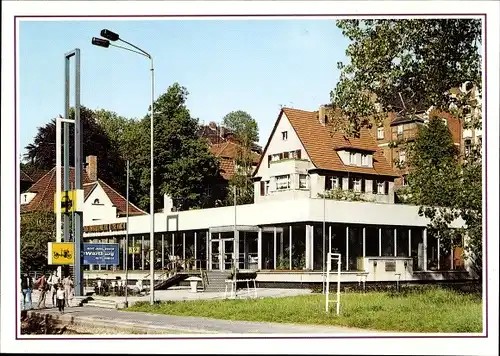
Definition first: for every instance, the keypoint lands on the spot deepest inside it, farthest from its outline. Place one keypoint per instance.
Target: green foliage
(184, 167)
(37, 229)
(243, 125)
(422, 63)
(341, 194)
(111, 168)
(246, 132)
(422, 59)
(429, 310)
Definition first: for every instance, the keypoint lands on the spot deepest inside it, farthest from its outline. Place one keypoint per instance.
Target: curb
(87, 321)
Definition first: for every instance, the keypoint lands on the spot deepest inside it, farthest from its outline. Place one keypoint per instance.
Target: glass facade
(186, 250)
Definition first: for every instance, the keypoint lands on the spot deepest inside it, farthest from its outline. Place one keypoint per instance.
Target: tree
(243, 125)
(246, 132)
(111, 167)
(37, 229)
(184, 167)
(405, 64)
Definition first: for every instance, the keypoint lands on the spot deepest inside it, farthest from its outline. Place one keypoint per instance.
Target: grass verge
(430, 309)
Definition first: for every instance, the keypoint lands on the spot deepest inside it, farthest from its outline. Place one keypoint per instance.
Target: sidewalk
(100, 317)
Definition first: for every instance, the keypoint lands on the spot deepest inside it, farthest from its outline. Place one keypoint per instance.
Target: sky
(226, 65)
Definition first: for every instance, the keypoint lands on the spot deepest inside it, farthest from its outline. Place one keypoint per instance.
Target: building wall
(268, 171)
(102, 213)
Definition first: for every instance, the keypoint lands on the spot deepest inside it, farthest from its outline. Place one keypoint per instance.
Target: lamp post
(105, 42)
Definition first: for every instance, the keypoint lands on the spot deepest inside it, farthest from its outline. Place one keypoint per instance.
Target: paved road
(144, 321)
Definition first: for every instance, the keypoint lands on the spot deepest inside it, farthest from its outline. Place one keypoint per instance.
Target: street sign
(71, 200)
(101, 254)
(134, 250)
(60, 253)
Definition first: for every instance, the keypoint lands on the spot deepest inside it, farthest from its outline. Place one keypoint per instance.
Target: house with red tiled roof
(227, 154)
(304, 158)
(102, 203)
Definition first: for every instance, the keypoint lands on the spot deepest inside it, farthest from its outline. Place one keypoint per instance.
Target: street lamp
(101, 42)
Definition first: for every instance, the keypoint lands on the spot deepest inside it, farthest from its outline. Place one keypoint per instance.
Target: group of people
(60, 291)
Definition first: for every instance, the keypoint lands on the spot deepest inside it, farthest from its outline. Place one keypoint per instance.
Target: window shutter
(281, 155)
(386, 187)
(351, 183)
(362, 185)
(269, 161)
(298, 154)
(374, 186)
(262, 188)
(340, 181)
(285, 155)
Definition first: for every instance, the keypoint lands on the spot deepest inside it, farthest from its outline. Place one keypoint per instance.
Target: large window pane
(417, 248)
(318, 247)
(387, 241)
(268, 250)
(432, 252)
(402, 241)
(339, 243)
(355, 246)
(371, 237)
(299, 246)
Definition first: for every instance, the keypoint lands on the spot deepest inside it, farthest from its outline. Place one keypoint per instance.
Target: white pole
(324, 242)
(290, 246)
(274, 249)
(151, 193)
(58, 179)
(338, 285)
(58, 186)
(327, 290)
(126, 241)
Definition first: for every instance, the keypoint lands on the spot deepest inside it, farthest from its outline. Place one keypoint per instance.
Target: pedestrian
(53, 283)
(26, 288)
(43, 287)
(67, 284)
(61, 296)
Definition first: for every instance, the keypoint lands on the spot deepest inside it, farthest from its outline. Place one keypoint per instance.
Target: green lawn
(425, 310)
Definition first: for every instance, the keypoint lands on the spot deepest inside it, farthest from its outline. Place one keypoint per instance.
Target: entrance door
(216, 258)
(222, 254)
(228, 253)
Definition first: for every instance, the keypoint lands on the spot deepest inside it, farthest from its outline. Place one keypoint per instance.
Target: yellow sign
(134, 250)
(71, 200)
(61, 253)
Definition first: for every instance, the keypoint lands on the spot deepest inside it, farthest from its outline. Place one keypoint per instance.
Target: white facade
(98, 208)
(292, 169)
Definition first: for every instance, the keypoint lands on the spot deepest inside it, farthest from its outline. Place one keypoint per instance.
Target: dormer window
(284, 135)
(352, 158)
(364, 160)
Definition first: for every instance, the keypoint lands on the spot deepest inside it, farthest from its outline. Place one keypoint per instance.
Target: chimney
(91, 167)
(322, 115)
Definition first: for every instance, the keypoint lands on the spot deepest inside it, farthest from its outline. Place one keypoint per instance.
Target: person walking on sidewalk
(43, 287)
(67, 284)
(26, 287)
(60, 295)
(53, 282)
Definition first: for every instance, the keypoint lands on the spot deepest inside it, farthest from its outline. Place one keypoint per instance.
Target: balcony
(289, 166)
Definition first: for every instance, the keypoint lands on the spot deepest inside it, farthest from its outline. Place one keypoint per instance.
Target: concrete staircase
(216, 281)
(102, 303)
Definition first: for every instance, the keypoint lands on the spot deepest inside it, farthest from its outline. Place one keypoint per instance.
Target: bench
(233, 283)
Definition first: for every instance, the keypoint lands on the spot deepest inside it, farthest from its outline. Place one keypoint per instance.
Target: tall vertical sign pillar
(78, 233)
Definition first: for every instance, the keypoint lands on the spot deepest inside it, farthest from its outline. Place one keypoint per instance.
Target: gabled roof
(24, 177)
(119, 201)
(45, 189)
(321, 144)
(227, 152)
